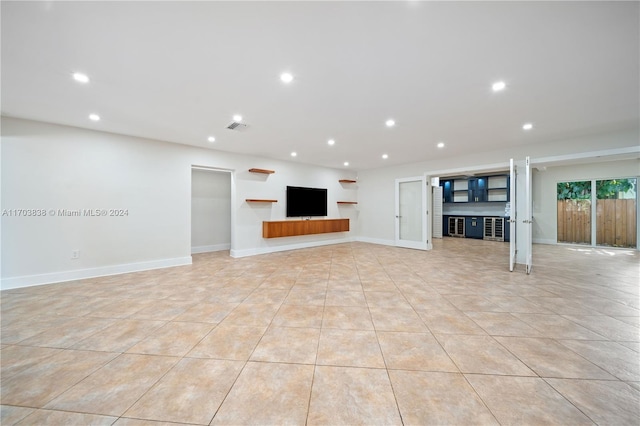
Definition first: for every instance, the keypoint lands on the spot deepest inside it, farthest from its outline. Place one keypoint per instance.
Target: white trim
(267, 250)
(208, 249)
(210, 169)
(375, 241)
(79, 274)
(544, 241)
(232, 174)
(631, 151)
(486, 168)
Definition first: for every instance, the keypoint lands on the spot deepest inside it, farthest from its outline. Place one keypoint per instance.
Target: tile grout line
(249, 357)
(384, 360)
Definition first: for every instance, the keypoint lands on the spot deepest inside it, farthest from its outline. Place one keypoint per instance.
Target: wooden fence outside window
(615, 222)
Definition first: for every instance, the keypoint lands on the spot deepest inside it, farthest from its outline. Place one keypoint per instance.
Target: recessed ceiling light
(527, 126)
(440, 145)
(390, 123)
(385, 156)
(237, 118)
(498, 86)
(331, 142)
(294, 154)
(346, 163)
(80, 77)
(211, 139)
(286, 77)
(94, 117)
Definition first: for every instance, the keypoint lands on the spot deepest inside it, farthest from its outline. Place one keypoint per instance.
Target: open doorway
(475, 205)
(210, 210)
(478, 203)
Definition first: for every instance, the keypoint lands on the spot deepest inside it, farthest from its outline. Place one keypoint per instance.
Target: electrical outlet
(75, 254)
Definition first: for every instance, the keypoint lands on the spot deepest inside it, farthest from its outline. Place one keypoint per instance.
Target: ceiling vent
(237, 126)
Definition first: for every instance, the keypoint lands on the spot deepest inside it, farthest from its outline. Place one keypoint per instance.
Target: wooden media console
(290, 228)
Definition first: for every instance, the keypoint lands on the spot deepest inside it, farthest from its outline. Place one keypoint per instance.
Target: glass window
(616, 212)
(574, 212)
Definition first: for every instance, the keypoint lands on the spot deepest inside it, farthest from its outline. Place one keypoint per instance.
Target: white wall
(210, 210)
(54, 167)
(46, 166)
(545, 190)
(377, 186)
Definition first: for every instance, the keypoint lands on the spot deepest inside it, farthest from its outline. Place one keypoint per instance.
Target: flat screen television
(303, 201)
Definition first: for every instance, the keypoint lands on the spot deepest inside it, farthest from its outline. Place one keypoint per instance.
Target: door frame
(233, 200)
(481, 169)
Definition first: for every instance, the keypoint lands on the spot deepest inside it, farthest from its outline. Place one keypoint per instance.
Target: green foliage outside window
(604, 189)
(574, 190)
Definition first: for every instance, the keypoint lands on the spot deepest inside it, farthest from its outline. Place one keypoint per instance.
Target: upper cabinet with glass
(498, 188)
(476, 189)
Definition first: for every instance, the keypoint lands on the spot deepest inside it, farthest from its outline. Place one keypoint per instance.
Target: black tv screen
(303, 201)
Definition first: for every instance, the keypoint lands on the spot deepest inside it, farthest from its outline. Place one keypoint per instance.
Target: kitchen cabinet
(498, 188)
(473, 227)
(460, 191)
(446, 192)
(455, 190)
(479, 189)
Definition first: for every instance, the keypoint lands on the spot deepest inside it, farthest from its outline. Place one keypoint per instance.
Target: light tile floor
(344, 334)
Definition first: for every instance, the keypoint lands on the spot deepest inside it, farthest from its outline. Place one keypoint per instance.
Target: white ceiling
(178, 71)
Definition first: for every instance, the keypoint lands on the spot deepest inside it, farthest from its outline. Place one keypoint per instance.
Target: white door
(513, 216)
(528, 220)
(411, 213)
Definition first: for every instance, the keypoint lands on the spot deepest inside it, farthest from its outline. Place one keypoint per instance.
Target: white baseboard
(543, 241)
(376, 241)
(207, 249)
(274, 249)
(79, 274)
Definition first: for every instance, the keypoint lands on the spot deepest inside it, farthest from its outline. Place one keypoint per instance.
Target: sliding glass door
(598, 212)
(574, 212)
(616, 210)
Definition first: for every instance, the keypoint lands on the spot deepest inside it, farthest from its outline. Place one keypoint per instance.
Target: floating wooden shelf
(290, 228)
(263, 171)
(347, 181)
(255, 200)
(347, 202)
